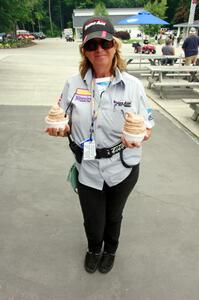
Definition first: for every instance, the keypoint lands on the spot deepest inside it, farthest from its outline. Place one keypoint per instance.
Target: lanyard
(94, 112)
(94, 106)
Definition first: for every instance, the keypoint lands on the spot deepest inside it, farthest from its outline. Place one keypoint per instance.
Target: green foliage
(178, 11)
(54, 33)
(182, 11)
(16, 13)
(35, 15)
(14, 43)
(100, 9)
(157, 8)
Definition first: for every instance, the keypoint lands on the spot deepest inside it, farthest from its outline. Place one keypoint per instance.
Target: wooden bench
(194, 104)
(178, 75)
(174, 84)
(148, 75)
(137, 62)
(196, 91)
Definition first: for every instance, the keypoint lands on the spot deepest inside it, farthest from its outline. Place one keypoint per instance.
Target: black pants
(102, 212)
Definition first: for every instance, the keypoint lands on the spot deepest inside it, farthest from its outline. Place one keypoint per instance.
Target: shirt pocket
(118, 119)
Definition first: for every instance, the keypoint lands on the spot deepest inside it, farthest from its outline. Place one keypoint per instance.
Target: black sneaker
(91, 261)
(107, 262)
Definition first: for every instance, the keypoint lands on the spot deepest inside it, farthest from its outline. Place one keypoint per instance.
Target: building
(115, 15)
(183, 28)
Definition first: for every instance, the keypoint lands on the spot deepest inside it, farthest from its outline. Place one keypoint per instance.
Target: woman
(96, 101)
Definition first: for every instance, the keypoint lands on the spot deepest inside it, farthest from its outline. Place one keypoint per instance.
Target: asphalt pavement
(42, 241)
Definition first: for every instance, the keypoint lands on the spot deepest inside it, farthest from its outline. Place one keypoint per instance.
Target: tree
(15, 13)
(178, 11)
(182, 12)
(50, 17)
(100, 9)
(5, 17)
(157, 8)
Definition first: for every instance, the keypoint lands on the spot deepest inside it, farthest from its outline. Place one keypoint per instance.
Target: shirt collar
(116, 80)
(88, 78)
(118, 77)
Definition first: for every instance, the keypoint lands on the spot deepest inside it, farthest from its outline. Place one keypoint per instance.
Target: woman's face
(100, 52)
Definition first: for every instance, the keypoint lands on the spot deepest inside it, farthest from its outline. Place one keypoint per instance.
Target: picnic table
(194, 104)
(157, 79)
(153, 59)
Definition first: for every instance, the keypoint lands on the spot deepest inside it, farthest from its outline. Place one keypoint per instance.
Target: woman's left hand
(128, 144)
(148, 134)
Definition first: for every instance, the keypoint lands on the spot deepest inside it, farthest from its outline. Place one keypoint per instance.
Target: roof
(111, 11)
(79, 21)
(114, 14)
(186, 24)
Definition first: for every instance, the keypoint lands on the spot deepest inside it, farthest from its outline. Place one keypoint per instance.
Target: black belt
(100, 152)
(109, 152)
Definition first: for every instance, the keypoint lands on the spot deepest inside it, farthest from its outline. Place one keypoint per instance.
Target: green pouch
(73, 177)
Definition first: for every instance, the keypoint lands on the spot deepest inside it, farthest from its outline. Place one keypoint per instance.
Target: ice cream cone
(134, 128)
(56, 118)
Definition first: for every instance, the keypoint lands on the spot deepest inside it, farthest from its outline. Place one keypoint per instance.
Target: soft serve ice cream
(134, 127)
(56, 117)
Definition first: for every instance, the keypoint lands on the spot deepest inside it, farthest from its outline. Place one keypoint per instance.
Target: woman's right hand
(58, 131)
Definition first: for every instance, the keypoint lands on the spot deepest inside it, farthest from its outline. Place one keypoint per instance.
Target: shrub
(123, 35)
(15, 43)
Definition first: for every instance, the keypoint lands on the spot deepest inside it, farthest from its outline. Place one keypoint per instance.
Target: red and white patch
(104, 34)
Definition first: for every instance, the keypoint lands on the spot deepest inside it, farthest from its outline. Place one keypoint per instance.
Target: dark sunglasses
(92, 45)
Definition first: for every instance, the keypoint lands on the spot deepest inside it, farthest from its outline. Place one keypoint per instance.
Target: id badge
(89, 152)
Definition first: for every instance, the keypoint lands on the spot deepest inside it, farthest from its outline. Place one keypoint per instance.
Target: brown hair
(168, 42)
(118, 60)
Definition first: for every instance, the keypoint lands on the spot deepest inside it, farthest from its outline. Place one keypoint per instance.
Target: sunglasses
(92, 45)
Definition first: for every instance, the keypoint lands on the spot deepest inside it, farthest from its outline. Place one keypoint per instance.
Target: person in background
(146, 39)
(96, 101)
(172, 38)
(168, 49)
(159, 39)
(179, 38)
(190, 47)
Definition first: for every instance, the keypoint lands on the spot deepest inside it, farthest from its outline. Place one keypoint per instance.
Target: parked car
(24, 34)
(146, 49)
(10, 36)
(39, 35)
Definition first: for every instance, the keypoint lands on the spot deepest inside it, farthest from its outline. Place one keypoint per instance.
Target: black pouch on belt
(78, 152)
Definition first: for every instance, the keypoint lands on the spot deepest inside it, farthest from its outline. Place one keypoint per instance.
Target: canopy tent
(142, 18)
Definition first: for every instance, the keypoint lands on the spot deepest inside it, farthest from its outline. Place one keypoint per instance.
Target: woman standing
(96, 100)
